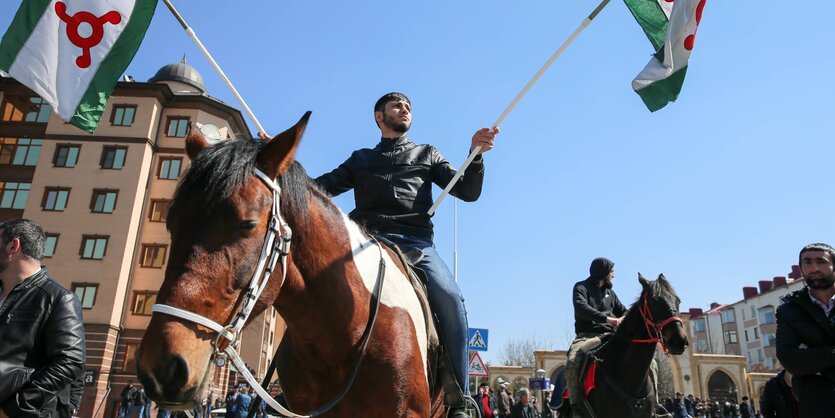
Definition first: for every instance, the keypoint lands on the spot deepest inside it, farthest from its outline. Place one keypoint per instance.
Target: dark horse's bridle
(276, 248)
(654, 328)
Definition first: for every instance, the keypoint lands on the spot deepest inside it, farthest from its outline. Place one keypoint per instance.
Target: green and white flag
(671, 27)
(73, 52)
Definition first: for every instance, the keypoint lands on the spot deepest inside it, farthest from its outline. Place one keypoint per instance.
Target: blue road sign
(477, 339)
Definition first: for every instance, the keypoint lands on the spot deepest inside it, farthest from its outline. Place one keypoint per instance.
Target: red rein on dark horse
(324, 297)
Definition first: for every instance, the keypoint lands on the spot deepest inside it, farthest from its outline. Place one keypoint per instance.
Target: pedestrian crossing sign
(477, 367)
(477, 339)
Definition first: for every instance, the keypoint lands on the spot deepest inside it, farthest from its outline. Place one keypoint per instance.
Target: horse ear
(642, 280)
(661, 277)
(195, 141)
(277, 155)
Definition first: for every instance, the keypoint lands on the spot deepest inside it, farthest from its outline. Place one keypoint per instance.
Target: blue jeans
(446, 301)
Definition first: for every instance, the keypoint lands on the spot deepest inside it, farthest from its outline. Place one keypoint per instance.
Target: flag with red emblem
(72, 52)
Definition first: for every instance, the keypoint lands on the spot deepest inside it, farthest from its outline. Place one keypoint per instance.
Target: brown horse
(218, 220)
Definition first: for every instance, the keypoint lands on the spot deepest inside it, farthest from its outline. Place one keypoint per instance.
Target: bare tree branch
(520, 352)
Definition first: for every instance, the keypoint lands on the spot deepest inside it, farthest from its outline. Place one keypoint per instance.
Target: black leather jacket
(42, 346)
(812, 365)
(392, 185)
(592, 305)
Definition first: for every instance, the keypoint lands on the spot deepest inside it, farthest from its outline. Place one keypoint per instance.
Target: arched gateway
(721, 386)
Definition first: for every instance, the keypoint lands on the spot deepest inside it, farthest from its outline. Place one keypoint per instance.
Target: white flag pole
(518, 98)
(208, 56)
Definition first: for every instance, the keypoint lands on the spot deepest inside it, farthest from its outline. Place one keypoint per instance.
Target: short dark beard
(394, 125)
(822, 283)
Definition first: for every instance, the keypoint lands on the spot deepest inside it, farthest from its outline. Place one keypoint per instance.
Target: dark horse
(218, 221)
(622, 387)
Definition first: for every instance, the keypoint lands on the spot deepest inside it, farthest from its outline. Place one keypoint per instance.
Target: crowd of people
(681, 406)
(507, 404)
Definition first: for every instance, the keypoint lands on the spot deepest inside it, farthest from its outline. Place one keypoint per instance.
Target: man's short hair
(390, 97)
(30, 234)
(744, 398)
(483, 385)
(818, 246)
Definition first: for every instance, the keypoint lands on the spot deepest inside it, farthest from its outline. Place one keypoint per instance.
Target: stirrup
(461, 410)
(661, 412)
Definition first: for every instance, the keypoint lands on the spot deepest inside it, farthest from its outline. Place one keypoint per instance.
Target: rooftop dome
(181, 72)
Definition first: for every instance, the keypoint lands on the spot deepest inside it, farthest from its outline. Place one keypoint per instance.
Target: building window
(768, 339)
(746, 335)
(20, 151)
(104, 201)
(169, 168)
(177, 126)
(767, 315)
(50, 244)
(55, 199)
(728, 316)
(130, 358)
(93, 247)
(159, 211)
(123, 115)
(153, 255)
(113, 158)
(730, 337)
(701, 346)
(86, 293)
(26, 109)
(699, 325)
(66, 155)
(13, 195)
(753, 311)
(143, 302)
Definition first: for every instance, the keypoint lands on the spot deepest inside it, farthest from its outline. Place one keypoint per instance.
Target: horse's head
(218, 221)
(659, 308)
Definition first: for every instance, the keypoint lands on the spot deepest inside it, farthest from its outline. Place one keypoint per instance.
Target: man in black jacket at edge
(392, 185)
(778, 400)
(41, 329)
(806, 333)
(597, 311)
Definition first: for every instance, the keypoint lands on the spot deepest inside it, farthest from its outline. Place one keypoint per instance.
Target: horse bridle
(654, 328)
(276, 248)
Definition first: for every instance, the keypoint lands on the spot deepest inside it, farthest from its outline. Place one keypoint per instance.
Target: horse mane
(218, 171)
(657, 289)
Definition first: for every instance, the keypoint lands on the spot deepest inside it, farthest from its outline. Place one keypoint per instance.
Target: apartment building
(102, 200)
(746, 327)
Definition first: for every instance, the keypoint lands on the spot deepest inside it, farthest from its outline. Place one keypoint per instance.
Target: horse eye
(248, 225)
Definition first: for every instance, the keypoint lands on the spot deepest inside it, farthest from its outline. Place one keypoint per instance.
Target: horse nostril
(173, 375)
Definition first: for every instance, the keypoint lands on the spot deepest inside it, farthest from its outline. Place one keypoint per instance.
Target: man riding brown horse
(392, 185)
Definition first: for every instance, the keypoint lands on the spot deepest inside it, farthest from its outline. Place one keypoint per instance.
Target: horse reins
(654, 328)
(276, 248)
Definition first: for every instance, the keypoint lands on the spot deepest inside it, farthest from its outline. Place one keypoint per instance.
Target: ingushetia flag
(72, 52)
(671, 27)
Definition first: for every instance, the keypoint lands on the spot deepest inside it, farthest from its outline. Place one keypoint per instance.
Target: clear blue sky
(717, 191)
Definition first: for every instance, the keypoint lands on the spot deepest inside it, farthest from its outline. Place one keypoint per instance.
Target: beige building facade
(102, 199)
